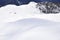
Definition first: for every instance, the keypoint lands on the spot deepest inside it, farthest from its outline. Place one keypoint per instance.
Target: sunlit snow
(10, 13)
(26, 22)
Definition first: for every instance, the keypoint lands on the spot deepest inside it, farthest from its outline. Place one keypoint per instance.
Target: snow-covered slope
(16, 23)
(31, 29)
(10, 13)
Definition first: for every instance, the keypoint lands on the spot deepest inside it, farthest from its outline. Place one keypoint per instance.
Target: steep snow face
(10, 13)
(31, 29)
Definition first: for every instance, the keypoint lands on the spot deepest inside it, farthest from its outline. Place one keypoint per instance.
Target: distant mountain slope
(50, 6)
(12, 13)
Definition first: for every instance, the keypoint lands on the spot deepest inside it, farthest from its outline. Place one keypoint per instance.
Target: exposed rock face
(49, 7)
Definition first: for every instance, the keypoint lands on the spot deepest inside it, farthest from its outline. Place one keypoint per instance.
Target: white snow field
(26, 22)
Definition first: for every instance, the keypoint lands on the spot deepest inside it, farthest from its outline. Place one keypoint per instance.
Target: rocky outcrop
(48, 7)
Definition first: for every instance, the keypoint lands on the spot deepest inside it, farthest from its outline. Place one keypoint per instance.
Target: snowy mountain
(10, 13)
(44, 6)
(27, 22)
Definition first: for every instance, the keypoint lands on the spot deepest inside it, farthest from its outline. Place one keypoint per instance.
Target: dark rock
(48, 7)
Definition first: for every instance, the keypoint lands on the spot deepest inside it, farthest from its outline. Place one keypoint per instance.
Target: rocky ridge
(48, 7)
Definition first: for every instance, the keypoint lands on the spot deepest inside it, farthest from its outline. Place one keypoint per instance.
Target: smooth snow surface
(31, 29)
(26, 22)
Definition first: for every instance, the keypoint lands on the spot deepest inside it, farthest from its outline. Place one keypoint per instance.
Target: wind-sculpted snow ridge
(31, 29)
(49, 7)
